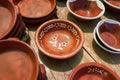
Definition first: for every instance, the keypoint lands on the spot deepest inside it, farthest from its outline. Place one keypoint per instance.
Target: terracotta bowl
(59, 39)
(84, 10)
(36, 9)
(102, 45)
(93, 71)
(113, 5)
(8, 17)
(18, 61)
(108, 32)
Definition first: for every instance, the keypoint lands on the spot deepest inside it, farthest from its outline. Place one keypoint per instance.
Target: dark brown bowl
(59, 39)
(8, 17)
(18, 61)
(93, 71)
(108, 32)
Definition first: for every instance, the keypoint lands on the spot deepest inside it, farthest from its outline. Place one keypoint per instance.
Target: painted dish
(59, 39)
(93, 71)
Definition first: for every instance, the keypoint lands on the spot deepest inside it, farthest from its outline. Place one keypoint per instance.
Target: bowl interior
(7, 18)
(59, 38)
(36, 9)
(19, 59)
(92, 71)
(86, 9)
(109, 34)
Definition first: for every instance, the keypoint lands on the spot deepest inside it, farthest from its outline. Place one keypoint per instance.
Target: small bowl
(59, 39)
(20, 59)
(83, 8)
(113, 5)
(108, 32)
(104, 47)
(93, 71)
(8, 17)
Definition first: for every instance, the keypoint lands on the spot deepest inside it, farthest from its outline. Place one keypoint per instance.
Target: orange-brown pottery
(59, 39)
(18, 61)
(93, 71)
(8, 17)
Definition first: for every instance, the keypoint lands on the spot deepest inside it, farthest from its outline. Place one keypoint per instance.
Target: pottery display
(108, 32)
(113, 5)
(93, 71)
(59, 39)
(86, 10)
(19, 58)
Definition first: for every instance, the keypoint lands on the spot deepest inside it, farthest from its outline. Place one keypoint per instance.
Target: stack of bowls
(84, 10)
(38, 11)
(106, 35)
(11, 24)
(113, 5)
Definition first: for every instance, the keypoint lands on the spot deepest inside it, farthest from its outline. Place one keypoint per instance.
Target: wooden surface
(91, 52)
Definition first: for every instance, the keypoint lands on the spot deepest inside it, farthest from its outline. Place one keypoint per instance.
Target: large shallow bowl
(18, 61)
(93, 71)
(85, 9)
(108, 32)
(59, 39)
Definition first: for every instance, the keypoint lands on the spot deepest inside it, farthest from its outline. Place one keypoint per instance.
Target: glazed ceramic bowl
(8, 17)
(103, 46)
(84, 10)
(108, 32)
(20, 59)
(93, 71)
(59, 39)
(113, 5)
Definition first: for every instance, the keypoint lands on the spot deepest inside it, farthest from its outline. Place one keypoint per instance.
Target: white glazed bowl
(99, 3)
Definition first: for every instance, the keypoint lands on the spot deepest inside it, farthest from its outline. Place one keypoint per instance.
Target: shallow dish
(93, 71)
(98, 41)
(85, 10)
(108, 32)
(20, 59)
(59, 39)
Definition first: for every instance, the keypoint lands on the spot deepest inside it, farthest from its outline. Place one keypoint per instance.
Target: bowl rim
(100, 5)
(105, 48)
(97, 30)
(57, 56)
(111, 4)
(14, 21)
(80, 66)
(34, 18)
(28, 46)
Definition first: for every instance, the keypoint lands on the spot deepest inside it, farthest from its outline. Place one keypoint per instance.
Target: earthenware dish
(8, 18)
(20, 59)
(104, 47)
(108, 32)
(99, 4)
(59, 39)
(93, 71)
(113, 5)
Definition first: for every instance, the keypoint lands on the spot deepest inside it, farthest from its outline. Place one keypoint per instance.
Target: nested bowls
(93, 71)
(10, 20)
(108, 32)
(86, 9)
(33, 11)
(18, 61)
(59, 39)
(113, 5)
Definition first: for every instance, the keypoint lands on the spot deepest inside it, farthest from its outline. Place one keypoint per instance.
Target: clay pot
(113, 5)
(8, 17)
(59, 39)
(93, 71)
(108, 32)
(35, 10)
(18, 61)
(84, 10)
